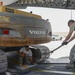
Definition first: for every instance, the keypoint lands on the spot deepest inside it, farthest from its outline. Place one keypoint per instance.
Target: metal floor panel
(51, 69)
(48, 69)
(44, 68)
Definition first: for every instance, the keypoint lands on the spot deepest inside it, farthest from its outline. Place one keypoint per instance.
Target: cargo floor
(51, 69)
(46, 68)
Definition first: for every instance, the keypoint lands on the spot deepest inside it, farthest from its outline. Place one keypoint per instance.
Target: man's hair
(70, 21)
(27, 46)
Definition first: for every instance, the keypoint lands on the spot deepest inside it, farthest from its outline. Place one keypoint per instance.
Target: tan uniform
(26, 59)
(28, 53)
(72, 53)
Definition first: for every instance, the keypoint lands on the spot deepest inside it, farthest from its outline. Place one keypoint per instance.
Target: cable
(71, 13)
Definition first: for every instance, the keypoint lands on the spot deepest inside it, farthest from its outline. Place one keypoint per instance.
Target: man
(69, 38)
(27, 55)
(71, 24)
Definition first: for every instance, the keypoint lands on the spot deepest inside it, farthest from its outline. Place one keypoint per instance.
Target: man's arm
(72, 38)
(66, 41)
(31, 59)
(68, 36)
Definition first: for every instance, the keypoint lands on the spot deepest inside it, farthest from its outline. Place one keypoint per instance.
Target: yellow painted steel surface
(11, 10)
(32, 28)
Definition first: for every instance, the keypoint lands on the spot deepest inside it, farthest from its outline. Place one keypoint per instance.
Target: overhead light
(64, 1)
(52, 0)
(25, 2)
(33, 1)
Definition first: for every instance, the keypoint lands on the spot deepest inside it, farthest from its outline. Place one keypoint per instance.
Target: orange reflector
(6, 32)
(23, 54)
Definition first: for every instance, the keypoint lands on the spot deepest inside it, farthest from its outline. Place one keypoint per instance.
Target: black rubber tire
(3, 61)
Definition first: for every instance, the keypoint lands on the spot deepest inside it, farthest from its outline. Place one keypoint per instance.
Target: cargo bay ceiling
(63, 4)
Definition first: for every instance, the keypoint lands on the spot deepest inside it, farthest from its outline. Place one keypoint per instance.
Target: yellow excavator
(18, 29)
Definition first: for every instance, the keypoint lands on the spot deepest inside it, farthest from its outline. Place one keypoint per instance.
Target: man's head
(70, 22)
(27, 47)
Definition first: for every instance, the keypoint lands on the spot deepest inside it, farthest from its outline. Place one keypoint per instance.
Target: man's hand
(32, 63)
(64, 43)
(51, 51)
(23, 54)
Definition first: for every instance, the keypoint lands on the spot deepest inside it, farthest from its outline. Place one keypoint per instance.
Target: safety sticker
(4, 19)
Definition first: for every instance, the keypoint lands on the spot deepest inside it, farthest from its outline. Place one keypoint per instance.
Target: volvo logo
(37, 32)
